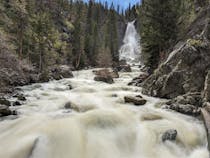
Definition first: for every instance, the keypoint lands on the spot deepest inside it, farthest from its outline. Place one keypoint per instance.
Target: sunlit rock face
(131, 49)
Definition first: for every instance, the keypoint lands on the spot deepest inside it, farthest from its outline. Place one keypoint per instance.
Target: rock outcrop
(183, 72)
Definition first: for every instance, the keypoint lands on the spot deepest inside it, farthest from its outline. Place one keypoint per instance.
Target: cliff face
(186, 68)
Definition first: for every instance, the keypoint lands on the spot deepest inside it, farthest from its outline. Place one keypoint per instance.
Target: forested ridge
(37, 36)
(48, 32)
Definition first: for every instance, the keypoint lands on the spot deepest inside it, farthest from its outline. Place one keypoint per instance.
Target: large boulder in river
(106, 72)
(169, 135)
(186, 109)
(4, 101)
(106, 79)
(183, 72)
(105, 75)
(60, 72)
(137, 100)
(5, 111)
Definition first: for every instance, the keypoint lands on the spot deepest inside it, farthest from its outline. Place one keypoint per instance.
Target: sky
(123, 3)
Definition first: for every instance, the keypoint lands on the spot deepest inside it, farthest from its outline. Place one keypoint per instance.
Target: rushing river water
(100, 126)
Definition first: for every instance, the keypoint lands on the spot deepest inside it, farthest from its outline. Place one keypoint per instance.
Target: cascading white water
(130, 50)
(99, 124)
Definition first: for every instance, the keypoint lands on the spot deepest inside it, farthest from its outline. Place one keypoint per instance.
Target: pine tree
(158, 29)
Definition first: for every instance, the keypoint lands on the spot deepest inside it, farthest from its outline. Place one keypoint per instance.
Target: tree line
(52, 32)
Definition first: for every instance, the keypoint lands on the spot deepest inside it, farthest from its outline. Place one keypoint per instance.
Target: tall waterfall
(131, 49)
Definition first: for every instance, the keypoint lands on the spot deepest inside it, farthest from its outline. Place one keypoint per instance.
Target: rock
(106, 79)
(5, 111)
(138, 80)
(189, 98)
(70, 87)
(4, 101)
(135, 100)
(185, 109)
(124, 68)
(106, 72)
(21, 97)
(105, 75)
(17, 103)
(60, 72)
(205, 113)
(169, 135)
(206, 93)
(183, 72)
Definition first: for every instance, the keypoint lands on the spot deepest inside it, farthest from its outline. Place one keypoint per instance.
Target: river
(98, 125)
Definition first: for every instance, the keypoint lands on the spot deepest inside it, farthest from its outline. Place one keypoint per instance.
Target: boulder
(4, 101)
(106, 79)
(169, 135)
(106, 72)
(138, 80)
(105, 75)
(189, 98)
(17, 103)
(5, 111)
(124, 68)
(185, 109)
(135, 100)
(21, 97)
(60, 72)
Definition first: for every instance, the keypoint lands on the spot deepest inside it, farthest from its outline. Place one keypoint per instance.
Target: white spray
(131, 49)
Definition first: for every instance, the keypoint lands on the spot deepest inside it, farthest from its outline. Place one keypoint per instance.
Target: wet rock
(189, 98)
(5, 111)
(4, 101)
(135, 100)
(70, 87)
(205, 113)
(124, 68)
(169, 135)
(17, 103)
(105, 75)
(185, 109)
(206, 93)
(138, 80)
(60, 72)
(106, 72)
(21, 97)
(106, 79)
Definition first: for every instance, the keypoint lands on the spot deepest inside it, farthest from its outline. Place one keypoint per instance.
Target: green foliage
(158, 29)
(59, 31)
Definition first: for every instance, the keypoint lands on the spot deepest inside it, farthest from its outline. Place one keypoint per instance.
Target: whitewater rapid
(99, 125)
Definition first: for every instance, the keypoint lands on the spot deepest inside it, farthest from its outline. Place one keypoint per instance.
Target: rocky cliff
(186, 70)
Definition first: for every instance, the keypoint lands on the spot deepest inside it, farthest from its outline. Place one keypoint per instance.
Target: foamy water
(100, 125)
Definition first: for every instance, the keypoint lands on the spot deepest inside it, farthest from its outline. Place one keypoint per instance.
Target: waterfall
(131, 49)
